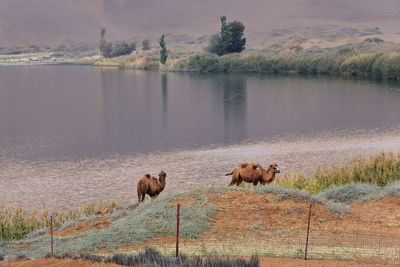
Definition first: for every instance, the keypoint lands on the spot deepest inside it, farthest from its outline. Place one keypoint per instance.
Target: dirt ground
(244, 219)
(264, 262)
(371, 216)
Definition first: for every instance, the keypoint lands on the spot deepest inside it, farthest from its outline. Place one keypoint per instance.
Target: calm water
(70, 134)
(72, 111)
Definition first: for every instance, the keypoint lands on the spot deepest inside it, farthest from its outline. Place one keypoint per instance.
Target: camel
(151, 186)
(252, 172)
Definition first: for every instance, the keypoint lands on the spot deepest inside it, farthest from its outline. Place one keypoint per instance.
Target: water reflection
(234, 99)
(164, 99)
(71, 111)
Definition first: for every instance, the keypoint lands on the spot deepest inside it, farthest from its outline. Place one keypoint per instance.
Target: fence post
(51, 236)
(308, 232)
(177, 229)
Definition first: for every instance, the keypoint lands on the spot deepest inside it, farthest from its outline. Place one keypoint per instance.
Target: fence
(306, 243)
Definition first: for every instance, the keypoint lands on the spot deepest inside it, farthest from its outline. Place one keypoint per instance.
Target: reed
(377, 65)
(380, 169)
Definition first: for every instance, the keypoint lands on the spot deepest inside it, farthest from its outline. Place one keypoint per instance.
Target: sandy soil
(371, 216)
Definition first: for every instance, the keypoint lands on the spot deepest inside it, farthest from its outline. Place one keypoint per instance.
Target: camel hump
(147, 175)
(243, 165)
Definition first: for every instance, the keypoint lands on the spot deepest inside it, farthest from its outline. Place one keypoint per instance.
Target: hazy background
(50, 22)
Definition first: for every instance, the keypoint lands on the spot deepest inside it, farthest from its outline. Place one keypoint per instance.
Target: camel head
(268, 176)
(162, 175)
(274, 167)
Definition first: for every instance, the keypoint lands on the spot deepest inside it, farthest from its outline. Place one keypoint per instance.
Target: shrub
(117, 49)
(91, 257)
(349, 193)
(151, 257)
(22, 257)
(146, 45)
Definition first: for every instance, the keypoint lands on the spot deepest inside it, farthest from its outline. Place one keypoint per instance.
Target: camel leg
(235, 177)
(255, 182)
(143, 197)
(239, 181)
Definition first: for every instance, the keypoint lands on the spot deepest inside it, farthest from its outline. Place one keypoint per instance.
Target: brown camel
(252, 172)
(151, 186)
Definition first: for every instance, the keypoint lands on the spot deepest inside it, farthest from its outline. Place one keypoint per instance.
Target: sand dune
(47, 22)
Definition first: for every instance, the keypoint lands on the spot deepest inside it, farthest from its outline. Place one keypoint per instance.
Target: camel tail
(227, 174)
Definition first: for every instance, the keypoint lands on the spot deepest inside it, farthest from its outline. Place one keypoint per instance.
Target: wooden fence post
(177, 229)
(308, 232)
(51, 236)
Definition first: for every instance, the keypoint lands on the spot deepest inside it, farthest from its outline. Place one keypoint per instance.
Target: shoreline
(180, 64)
(115, 177)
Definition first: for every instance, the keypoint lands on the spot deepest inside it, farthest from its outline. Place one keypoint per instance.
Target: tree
(229, 40)
(102, 39)
(114, 49)
(238, 43)
(226, 36)
(163, 50)
(146, 44)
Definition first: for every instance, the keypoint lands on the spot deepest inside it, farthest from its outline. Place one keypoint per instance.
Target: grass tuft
(380, 169)
(151, 257)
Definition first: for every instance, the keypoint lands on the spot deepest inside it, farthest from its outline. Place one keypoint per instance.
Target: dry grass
(15, 223)
(380, 169)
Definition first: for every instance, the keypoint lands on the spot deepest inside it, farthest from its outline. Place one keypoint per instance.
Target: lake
(90, 132)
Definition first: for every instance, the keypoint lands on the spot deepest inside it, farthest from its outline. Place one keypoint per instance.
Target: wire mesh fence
(217, 241)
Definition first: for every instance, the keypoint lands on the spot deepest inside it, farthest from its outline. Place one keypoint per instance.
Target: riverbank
(375, 65)
(115, 177)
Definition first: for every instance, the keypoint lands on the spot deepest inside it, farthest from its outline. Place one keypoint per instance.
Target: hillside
(47, 22)
(270, 221)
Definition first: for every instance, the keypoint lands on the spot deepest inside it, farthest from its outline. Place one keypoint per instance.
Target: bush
(151, 257)
(349, 193)
(1, 257)
(91, 257)
(146, 45)
(117, 49)
(22, 258)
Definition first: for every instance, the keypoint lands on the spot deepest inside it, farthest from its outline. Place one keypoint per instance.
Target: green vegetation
(376, 65)
(102, 41)
(17, 223)
(163, 50)
(115, 49)
(380, 170)
(229, 40)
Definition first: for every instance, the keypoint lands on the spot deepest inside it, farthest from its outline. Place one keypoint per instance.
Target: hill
(47, 22)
